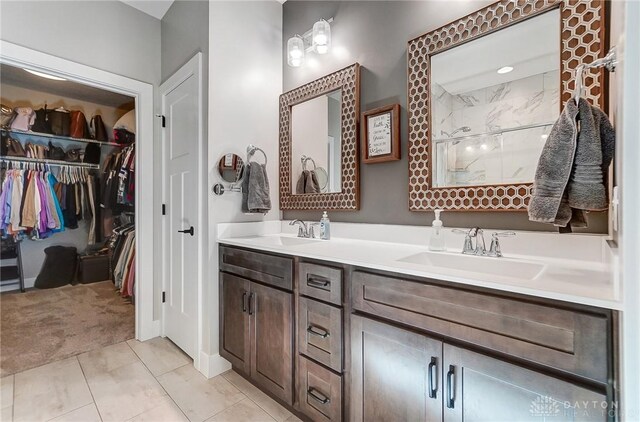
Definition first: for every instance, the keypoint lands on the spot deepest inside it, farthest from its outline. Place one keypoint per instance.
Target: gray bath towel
(255, 189)
(571, 173)
(307, 183)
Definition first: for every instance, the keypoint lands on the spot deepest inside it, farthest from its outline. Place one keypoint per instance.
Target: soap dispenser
(436, 243)
(325, 227)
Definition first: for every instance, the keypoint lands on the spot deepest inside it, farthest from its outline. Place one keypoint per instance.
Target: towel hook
(251, 150)
(304, 160)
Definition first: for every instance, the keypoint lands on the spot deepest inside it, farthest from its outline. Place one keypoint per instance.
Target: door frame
(145, 326)
(192, 67)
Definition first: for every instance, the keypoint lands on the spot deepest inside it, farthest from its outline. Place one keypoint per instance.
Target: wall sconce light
(317, 39)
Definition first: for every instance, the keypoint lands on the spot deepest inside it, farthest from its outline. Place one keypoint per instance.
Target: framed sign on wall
(381, 134)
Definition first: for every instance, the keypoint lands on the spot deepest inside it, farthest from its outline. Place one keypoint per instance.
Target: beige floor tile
(49, 391)
(124, 392)
(243, 411)
(167, 411)
(199, 397)
(87, 413)
(107, 359)
(6, 391)
(6, 414)
(293, 418)
(273, 408)
(159, 355)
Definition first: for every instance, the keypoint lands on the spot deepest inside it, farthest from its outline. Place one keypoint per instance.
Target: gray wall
(107, 35)
(375, 34)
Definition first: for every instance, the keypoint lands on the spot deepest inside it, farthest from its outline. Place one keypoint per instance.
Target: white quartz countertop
(575, 281)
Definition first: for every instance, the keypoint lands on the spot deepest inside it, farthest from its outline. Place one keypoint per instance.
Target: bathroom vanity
(334, 339)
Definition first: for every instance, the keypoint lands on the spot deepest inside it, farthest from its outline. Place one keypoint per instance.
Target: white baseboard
(212, 365)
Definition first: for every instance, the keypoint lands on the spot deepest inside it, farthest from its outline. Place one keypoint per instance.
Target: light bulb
(469, 148)
(44, 75)
(321, 36)
(483, 146)
(295, 53)
(505, 69)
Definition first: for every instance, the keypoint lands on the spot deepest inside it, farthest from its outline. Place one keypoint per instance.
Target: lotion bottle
(436, 243)
(325, 227)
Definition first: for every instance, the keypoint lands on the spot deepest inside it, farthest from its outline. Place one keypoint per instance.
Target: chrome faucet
(480, 247)
(304, 230)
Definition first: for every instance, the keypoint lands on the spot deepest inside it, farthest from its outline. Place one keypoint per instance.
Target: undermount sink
(478, 264)
(282, 240)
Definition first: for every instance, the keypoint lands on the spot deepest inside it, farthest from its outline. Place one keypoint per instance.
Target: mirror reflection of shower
(463, 129)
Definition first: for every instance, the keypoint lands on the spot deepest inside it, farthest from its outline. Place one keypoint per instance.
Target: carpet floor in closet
(42, 326)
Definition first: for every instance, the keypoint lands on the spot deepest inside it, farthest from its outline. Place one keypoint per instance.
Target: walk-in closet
(67, 208)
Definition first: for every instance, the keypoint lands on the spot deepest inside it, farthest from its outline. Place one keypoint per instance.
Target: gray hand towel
(571, 173)
(302, 181)
(312, 185)
(258, 200)
(245, 188)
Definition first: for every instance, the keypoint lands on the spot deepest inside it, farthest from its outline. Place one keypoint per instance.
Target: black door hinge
(164, 209)
(164, 120)
(164, 297)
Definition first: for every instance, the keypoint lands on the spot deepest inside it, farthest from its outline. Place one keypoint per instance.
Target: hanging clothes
(123, 247)
(117, 187)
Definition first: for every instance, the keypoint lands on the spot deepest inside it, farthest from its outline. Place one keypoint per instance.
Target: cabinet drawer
(320, 392)
(321, 282)
(569, 340)
(320, 332)
(269, 269)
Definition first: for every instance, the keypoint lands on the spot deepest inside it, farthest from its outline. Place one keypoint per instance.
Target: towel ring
(251, 150)
(304, 160)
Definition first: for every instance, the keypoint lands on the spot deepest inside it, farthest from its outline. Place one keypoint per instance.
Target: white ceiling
(530, 47)
(155, 8)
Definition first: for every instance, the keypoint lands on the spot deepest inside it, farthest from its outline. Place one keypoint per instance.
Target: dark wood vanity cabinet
(256, 327)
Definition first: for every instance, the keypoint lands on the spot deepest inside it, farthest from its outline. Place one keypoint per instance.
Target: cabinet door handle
(316, 331)
(451, 386)
(433, 377)
(251, 311)
(318, 395)
(317, 281)
(244, 302)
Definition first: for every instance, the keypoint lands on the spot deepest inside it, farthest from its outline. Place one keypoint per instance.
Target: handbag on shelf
(55, 153)
(98, 130)
(92, 154)
(60, 120)
(12, 148)
(6, 115)
(23, 118)
(123, 136)
(73, 155)
(79, 127)
(42, 124)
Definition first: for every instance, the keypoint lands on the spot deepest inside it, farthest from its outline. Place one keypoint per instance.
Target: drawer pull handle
(450, 386)
(317, 331)
(433, 377)
(318, 395)
(244, 302)
(316, 281)
(251, 311)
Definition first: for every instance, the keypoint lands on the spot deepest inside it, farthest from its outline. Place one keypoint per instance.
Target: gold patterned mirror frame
(348, 199)
(582, 41)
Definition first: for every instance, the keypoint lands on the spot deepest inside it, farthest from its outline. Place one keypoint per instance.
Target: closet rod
(48, 162)
(59, 137)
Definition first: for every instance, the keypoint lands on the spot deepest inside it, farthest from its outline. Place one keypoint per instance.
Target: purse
(6, 115)
(78, 127)
(23, 118)
(42, 124)
(92, 154)
(73, 155)
(12, 148)
(98, 130)
(60, 120)
(55, 153)
(123, 136)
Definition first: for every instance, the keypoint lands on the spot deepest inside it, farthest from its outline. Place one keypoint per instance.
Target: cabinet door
(395, 374)
(481, 388)
(272, 340)
(235, 340)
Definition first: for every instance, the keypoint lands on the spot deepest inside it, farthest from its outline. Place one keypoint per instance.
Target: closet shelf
(49, 162)
(60, 138)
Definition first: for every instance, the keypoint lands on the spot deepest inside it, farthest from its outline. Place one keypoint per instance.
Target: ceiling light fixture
(505, 69)
(317, 39)
(44, 75)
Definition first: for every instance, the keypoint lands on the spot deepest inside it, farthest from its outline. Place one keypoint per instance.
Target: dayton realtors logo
(546, 406)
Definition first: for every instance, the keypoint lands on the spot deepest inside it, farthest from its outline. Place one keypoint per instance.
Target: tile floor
(153, 381)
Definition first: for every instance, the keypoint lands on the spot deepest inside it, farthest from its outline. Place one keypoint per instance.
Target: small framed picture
(381, 134)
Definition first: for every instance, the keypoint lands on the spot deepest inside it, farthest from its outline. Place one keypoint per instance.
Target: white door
(181, 137)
